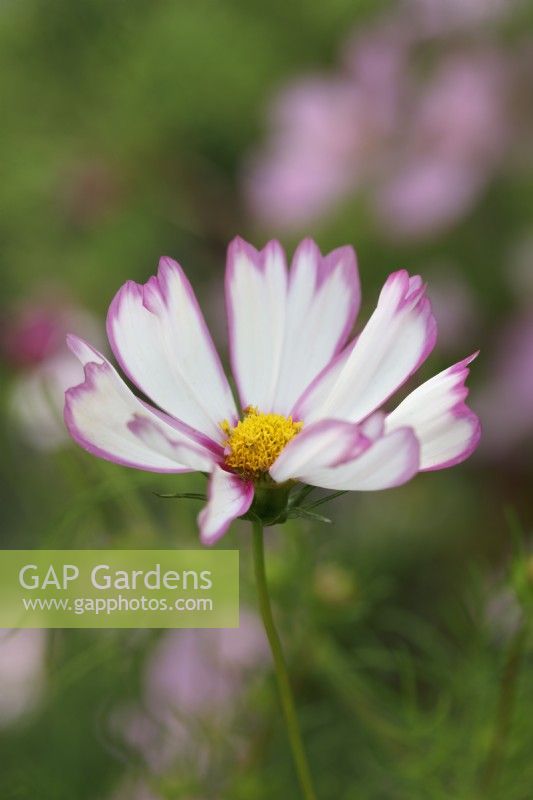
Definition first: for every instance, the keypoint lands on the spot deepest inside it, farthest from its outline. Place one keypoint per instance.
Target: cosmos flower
(22, 672)
(201, 672)
(311, 398)
(458, 131)
(135, 790)
(434, 18)
(192, 684)
(32, 345)
(416, 140)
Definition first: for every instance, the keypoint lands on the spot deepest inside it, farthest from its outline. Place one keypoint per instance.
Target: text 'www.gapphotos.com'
(112, 605)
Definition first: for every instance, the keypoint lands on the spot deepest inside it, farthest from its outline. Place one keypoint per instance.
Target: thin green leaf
(325, 499)
(305, 514)
(300, 495)
(182, 496)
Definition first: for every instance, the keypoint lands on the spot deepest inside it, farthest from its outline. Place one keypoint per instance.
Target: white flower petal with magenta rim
(398, 337)
(256, 288)
(161, 341)
(322, 444)
(388, 461)
(105, 418)
(228, 498)
(319, 390)
(447, 429)
(322, 303)
(285, 328)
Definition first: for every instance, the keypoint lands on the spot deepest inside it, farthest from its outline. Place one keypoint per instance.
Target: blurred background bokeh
(133, 129)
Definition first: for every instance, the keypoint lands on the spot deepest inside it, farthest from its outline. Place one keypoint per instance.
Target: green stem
(282, 675)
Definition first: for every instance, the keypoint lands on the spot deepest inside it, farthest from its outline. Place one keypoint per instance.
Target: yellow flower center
(256, 441)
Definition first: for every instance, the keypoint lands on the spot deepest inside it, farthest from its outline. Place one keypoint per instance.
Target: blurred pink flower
(325, 131)
(33, 334)
(457, 135)
(312, 158)
(22, 672)
(425, 196)
(33, 344)
(441, 17)
(200, 672)
(422, 145)
(138, 790)
(135, 790)
(193, 681)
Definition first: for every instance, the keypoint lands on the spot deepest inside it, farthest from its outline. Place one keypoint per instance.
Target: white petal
(160, 339)
(256, 289)
(447, 429)
(322, 444)
(319, 390)
(322, 303)
(373, 426)
(398, 337)
(104, 417)
(285, 329)
(229, 498)
(388, 461)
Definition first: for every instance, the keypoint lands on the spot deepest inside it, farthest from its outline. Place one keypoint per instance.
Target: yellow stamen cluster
(256, 441)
